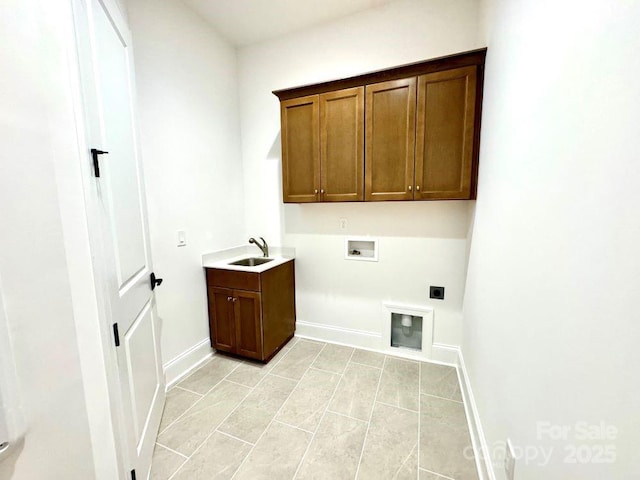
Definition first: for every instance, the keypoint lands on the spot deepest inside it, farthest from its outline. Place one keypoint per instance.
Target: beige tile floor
(316, 411)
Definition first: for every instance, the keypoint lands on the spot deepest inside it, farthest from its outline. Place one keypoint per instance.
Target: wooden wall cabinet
(323, 147)
(251, 314)
(300, 149)
(445, 131)
(422, 134)
(391, 132)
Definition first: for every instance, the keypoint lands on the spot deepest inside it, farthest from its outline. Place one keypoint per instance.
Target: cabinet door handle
(315, 191)
(235, 298)
(322, 191)
(418, 188)
(229, 299)
(410, 187)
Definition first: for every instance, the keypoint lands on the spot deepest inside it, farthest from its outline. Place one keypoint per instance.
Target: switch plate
(182, 238)
(343, 224)
(436, 292)
(509, 460)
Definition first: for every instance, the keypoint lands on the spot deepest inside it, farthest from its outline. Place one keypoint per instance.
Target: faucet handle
(265, 247)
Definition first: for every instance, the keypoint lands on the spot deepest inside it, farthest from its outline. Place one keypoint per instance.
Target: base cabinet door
(248, 322)
(222, 319)
(445, 134)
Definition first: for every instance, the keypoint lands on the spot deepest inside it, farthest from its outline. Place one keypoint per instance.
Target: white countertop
(222, 258)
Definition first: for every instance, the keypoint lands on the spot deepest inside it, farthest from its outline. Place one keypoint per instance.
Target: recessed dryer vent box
(407, 329)
(361, 248)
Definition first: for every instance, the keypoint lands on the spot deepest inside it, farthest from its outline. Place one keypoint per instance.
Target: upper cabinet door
(300, 150)
(445, 134)
(342, 145)
(390, 140)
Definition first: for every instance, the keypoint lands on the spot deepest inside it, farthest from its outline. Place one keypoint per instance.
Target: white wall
(551, 322)
(37, 134)
(422, 243)
(190, 140)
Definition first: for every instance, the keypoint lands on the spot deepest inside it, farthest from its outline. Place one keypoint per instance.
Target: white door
(109, 101)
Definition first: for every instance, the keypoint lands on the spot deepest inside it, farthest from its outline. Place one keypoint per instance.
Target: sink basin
(251, 261)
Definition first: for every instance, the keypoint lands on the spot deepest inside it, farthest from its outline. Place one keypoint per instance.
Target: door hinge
(96, 164)
(154, 281)
(133, 474)
(116, 334)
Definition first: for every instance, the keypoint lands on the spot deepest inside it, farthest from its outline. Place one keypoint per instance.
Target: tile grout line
(172, 450)
(213, 431)
(375, 399)
(179, 468)
(366, 364)
(285, 378)
(399, 408)
(435, 473)
(417, 446)
(251, 389)
(244, 460)
(395, 476)
(326, 371)
(442, 398)
(238, 383)
(202, 396)
(293, 426)
(231, 436)
(241, 362)
(335, 389)
(347, 416)
(186, 390)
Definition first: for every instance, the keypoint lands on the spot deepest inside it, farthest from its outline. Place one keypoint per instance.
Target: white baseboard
(180, 366)
(339, 335)
(440, 353)
(483, 457)
(446, 354)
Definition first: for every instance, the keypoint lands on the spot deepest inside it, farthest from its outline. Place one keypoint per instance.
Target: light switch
(182, 238)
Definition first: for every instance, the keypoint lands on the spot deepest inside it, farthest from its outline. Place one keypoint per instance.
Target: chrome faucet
(264, 248)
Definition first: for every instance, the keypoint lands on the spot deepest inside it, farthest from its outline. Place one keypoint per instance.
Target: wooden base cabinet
(251, 314)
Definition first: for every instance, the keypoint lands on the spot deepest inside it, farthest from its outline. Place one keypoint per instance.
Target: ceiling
(243, 22)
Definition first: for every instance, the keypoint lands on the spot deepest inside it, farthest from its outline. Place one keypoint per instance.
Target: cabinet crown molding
(464, 59)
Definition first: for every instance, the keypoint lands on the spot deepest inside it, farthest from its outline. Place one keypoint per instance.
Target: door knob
(418, 188)
(410, 187)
